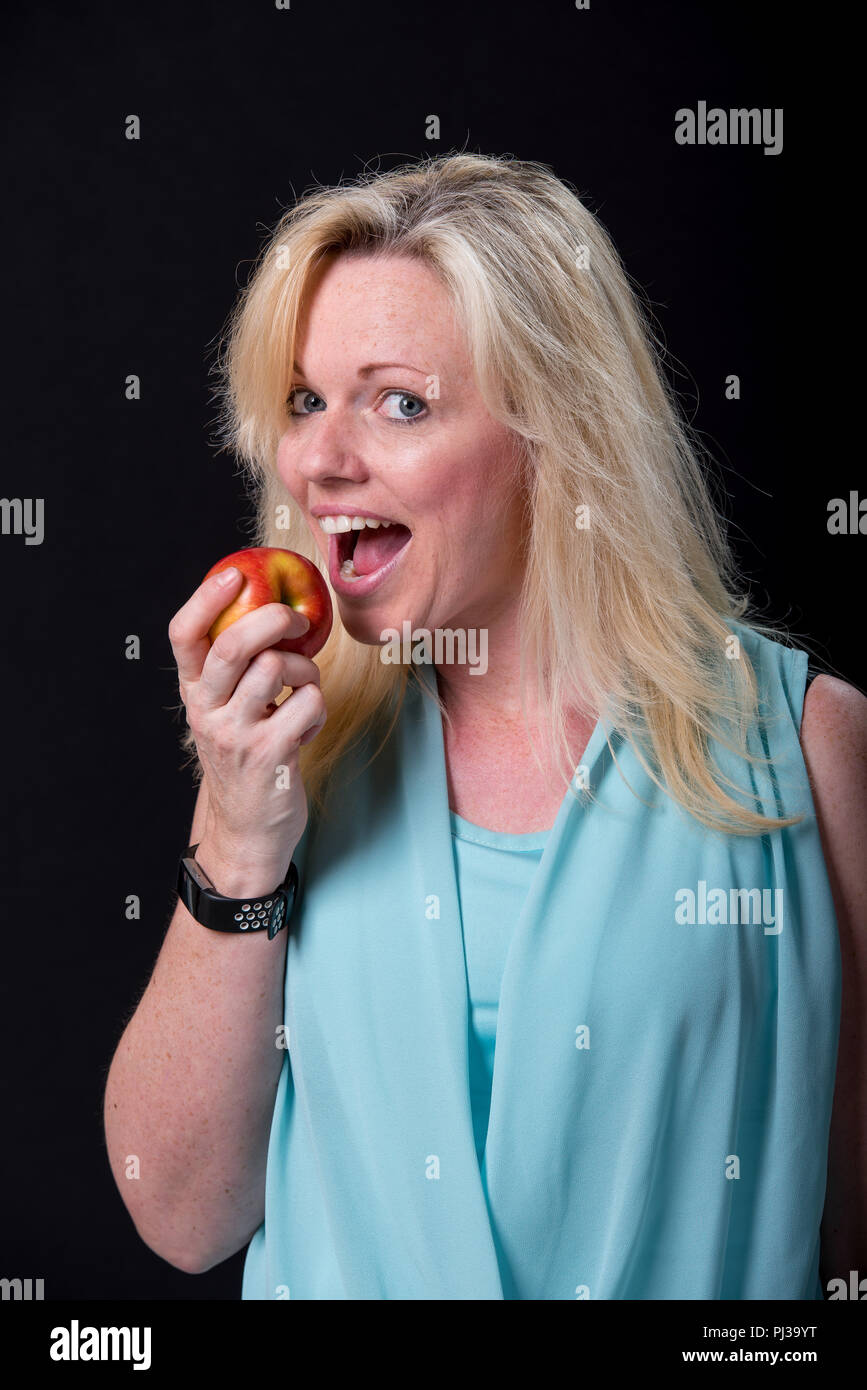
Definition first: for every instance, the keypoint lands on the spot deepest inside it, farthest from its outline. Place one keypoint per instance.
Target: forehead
(393, 306)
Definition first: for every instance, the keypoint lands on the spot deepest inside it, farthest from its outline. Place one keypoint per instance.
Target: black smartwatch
(211, 909)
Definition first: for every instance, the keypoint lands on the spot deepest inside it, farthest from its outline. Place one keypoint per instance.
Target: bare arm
(834, 741)
(191, 1088)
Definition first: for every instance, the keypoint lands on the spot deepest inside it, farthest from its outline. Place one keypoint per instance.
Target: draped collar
(391, 991)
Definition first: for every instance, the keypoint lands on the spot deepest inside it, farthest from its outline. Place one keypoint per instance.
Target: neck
(480, 703)
(489, 689)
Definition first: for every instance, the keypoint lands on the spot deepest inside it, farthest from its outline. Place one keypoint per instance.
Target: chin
(368, 625)
(363, 627)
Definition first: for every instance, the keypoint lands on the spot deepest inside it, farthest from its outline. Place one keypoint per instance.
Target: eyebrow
(371, 367)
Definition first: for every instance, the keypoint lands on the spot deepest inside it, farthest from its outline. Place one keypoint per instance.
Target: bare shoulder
(830, 702)
(834, 744)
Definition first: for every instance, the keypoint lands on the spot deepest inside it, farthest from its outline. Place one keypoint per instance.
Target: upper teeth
(332, 524)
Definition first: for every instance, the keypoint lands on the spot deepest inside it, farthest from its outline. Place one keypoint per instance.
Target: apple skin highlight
(274, 575)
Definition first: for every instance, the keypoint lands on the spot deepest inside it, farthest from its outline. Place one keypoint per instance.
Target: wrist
(239, 875)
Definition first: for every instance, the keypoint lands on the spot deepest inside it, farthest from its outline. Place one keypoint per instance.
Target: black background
(125, 257)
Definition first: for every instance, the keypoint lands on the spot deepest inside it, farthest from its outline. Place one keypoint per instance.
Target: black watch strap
(211, 909)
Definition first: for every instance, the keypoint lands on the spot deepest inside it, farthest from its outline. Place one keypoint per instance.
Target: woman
(561, 1003)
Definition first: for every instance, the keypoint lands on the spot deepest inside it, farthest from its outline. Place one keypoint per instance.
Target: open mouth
(363, 552)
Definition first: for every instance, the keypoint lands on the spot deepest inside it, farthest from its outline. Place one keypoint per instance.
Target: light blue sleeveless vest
(665, 1052)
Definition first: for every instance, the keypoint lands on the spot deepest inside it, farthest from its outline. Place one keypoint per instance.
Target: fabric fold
(662, 1081)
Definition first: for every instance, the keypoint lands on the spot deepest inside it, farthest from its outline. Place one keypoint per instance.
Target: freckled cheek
(447, 490)
(446, 556)
(286, 473)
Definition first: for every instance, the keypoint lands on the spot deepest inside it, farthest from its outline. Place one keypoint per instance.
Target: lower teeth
(348, 570)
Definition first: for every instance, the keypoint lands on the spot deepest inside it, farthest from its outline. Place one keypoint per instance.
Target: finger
(188, 629)
(267, 674)
(235, 648)
(300, 717)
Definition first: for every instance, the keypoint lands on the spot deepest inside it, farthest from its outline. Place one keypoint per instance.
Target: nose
(332, 448)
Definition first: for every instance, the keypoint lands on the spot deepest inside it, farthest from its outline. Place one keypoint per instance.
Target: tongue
(375, 548)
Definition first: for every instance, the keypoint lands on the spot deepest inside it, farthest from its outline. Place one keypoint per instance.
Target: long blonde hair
(627, 615)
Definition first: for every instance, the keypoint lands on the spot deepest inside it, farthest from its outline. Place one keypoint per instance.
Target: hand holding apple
(274, 575)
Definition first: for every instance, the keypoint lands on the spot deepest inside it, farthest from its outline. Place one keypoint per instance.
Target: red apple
(273, 575)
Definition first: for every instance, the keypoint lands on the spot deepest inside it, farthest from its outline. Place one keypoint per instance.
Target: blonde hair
(629, 616)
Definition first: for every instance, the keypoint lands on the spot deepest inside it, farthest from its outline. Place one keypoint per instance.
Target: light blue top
(493, 871)
(665, 1055)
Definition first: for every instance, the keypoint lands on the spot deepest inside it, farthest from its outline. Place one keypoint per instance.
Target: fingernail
(305, 621)
(226, 576)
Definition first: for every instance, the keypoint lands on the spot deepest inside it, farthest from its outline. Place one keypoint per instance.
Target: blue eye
(407, 398)
(306, 395)
(302, 401)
